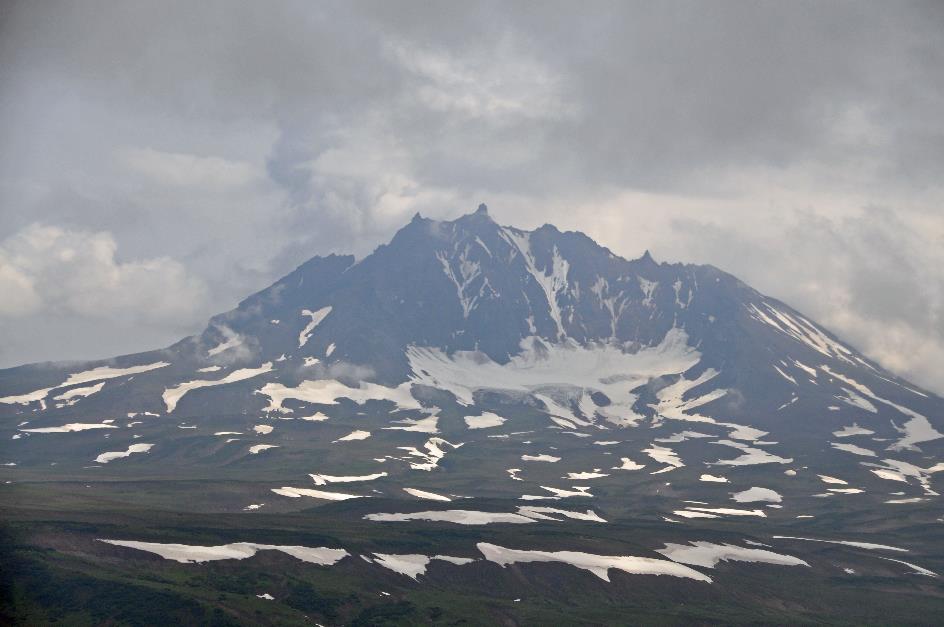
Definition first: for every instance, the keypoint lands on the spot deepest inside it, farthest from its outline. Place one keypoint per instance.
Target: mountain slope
(514, 376)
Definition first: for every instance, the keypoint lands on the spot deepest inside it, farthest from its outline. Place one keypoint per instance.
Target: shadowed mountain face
(473, 294)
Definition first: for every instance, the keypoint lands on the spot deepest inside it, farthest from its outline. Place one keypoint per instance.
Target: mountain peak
(480, 215)
(647, 258)
(475, 218)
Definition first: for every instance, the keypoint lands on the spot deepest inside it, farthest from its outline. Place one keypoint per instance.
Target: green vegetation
(55, 572)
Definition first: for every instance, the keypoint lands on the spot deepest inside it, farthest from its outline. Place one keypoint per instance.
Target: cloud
(232, 348)
(19, 295)
(47, 268)
(872, 277)
(348, 187)
(188, 170)
(496, 82)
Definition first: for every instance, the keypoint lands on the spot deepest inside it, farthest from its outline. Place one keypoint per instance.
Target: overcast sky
(161, 160)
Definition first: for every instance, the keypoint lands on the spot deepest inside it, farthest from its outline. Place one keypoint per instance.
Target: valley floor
(55, 569)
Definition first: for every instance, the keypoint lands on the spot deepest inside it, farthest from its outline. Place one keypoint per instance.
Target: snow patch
(859, 545)
(457, 516)
(354, 435)
(190, 554)
(80, 392)
(749, 456)
(664, 456)
(560, 375)
(628, 464)
(328, 391)
(423, 494)
(71, 428)
(86, 376)
(727, 511)
(712, 479)
(419, 425)
(543, 457)
(315, 318)
(484, 420)
(104, 458)
(315, 494)
(552, 280)
(852, 448)
(326, 479)
(755, 494)
(708, 554)
(852, 430)
(172, 396)
(599, 565)
(429, 457)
